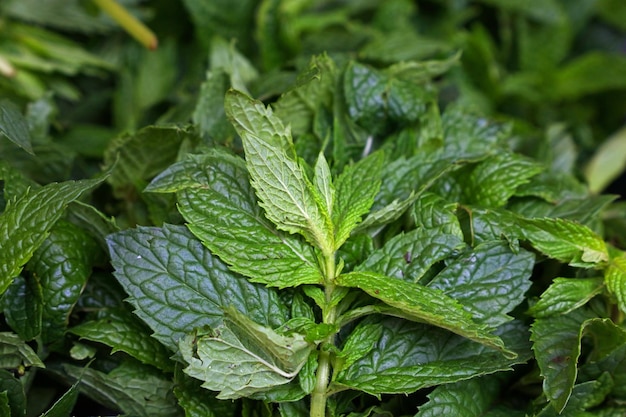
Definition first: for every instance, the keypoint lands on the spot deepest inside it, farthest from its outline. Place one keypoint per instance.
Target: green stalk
(324, 366)
(134, 27)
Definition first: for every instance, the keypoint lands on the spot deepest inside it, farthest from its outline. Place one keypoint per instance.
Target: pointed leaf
(281, 185)
(565, 295)
(409, 356)
(408, 256)
(219, 204)
(240, 357)
(14, 352)
(196, 401)
(25, 224)
(13, 126)
(323, 183)
(489, 281)
(356, 188)
(431, 211)
(124, 332)
(63, 406)
(565, 241)
(13, 389)
(176, 285)
(423, 304)
(23, 307)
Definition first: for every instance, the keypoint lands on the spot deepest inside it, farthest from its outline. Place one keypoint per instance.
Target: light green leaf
(176, 285)
(615, 279)
(565, 295)
(131, 387)
(124, 332)
(61, 266)
(565, 241)
(608, 162)
(322, 180)
(556, 343)
(25, 224)
(490, 281)
(493, 181)
(224, 56)
(356, 188)
(283, 189)
(472, 398)
(14, 126)
(14, 352)
(590, 73)
(408, 256)
(409, 356)
(240, 357)
(221, 209)
(424, 304)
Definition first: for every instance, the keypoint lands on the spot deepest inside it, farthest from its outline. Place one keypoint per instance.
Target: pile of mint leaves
(313, 208)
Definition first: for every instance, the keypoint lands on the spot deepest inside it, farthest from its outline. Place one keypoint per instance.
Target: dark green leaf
(423, 304)
(14, 126)
(489, 281)
(15, 395)
(14, 352)
(123, 332)
(196, 401)
(615, 279)
(25, 224)
(209, 115)
(590, 73)
(23, 307)
(217, 200)
(176, 285)
(63, 406)
(431, 211)
(585, 396)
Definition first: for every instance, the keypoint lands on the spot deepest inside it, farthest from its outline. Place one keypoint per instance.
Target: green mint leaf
(209, 115)
(473, 398)
(14, 126)
(307, 376)
(64, 405)
(138, 157)
(607, 163)
(14, 352)
(196, 401)
(493, 181)
(409, 356)
(323, 183)
(615, 279)
(176, 285)
(25, 223)
(124, 332)
(282, 186)
(356, 188)
(565, 241)
(565, 295)
(432, 211)
(410, 255)
(489, 281)
(224, 56)
(493, 224)
(581, 209)
(13, 390)
(556, 343)
(423, 304)
(62, 265)
(23, 307)
(240, 357)
(585, 396)
(360, 342)
(131, 387)
(221, 209)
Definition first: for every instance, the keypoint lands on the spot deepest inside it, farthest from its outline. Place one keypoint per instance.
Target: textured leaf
(472, 398)
(209, 115)
(176, 285)
(283, 189)
(565, 241)
(584, 210)
(493, 181)
(123, 332)
(489, 281)
(133, 388)
(356, 188)
(409, 356)
(433, 212)
(565, 295)
(14, 352)
(360, 342)
(25, 224)
(557, 349)
(493, 224)
(15, 395)
(196, 401)
(240, 357)
(615, 279)
(585, 396)
(61, 265)
(408, 256)
(14, 126)
(219, 204)
(23, 307)
(423, 304)
(323, 182)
